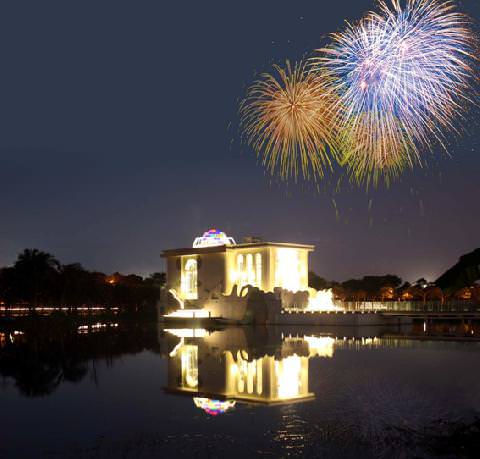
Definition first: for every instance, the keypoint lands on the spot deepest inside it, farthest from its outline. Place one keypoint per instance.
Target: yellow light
(320, 346)
(287, 270)
(189, 358)
(189, 279)
(189, 314)
(321, 301)
(188, 332)
(288, 376)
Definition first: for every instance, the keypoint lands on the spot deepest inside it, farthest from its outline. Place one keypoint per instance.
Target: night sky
(119, 138)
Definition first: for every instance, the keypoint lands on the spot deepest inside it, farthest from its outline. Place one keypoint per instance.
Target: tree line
(38, 279)
(391, 288)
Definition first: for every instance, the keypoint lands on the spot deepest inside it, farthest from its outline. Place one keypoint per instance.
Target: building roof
(225, 248)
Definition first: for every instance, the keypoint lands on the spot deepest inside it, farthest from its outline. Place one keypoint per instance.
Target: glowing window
(249, 375)
(240, 264)
(190, 366)
(259, 376)
(240, 271)
(189, 279)
(250, 270)
(258, 267)
(287, 270)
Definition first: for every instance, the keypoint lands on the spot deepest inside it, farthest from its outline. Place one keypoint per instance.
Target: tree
(35, 274)
(371, 286)
(7, 286)
(317, 282)
(463, 274)
(75, 285)
(37, 278)
(420, 282)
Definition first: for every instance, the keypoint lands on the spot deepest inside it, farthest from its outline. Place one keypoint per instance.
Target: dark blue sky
(119, 138)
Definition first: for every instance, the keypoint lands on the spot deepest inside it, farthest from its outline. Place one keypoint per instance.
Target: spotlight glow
(189, 314)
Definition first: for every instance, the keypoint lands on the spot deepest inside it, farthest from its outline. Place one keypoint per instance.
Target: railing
(457, 306)
(432, 307)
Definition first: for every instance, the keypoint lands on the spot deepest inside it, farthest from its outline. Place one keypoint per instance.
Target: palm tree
(35, 272)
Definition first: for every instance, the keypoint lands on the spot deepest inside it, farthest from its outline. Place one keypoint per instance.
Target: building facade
(215, 265)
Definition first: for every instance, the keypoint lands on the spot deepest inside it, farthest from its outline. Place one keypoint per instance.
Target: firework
(403, 79)
(374, 147)
(288, 120)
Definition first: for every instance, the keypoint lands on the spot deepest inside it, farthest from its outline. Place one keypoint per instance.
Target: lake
(110, 388)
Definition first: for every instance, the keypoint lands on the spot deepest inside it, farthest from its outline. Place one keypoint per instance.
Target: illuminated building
(217, 266)
(219, 369)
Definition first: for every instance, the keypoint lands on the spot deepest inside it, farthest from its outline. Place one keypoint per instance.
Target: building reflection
(237, 365)
(222, 368)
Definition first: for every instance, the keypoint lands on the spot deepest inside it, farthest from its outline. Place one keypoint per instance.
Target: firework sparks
(375, 147)
(403, 79)
(289, 121)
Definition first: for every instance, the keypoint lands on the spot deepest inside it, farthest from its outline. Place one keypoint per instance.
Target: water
(123, 389)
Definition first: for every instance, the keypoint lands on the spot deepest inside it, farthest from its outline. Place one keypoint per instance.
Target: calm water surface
(114, 389)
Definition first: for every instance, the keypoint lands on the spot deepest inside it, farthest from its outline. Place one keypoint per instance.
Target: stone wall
(350, 319)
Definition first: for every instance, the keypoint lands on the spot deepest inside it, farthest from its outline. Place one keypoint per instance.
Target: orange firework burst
(375, 147)
(288, 119)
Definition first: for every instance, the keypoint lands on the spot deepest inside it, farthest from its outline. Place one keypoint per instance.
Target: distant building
(216, 264)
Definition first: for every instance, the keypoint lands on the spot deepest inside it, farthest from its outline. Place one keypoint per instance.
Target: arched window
(250, 270)
(189, 279)
(240, 271)
(189, 358)
(258, 269)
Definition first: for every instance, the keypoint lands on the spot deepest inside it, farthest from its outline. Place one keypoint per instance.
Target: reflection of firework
(288, 120)
(402, 76)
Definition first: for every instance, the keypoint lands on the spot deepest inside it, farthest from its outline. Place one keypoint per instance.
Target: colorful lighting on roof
(213, 238)
(213, 407)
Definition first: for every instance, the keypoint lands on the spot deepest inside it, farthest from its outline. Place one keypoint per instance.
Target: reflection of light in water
(177, 348)
(84, 329)
(320, 346)
(294, 433)
(288, 376)
(213, 407)
(187, 332)
(321, 301)
(386, 412)
(189, 358)
(266, 378)
(16, 333)
(189, 314)
(248, 375)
